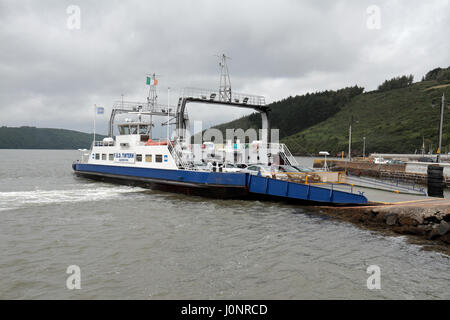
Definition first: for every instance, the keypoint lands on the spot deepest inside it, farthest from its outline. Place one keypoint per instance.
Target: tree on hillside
(439, 74)
(432, 74)
(443, 75)
(396, 83)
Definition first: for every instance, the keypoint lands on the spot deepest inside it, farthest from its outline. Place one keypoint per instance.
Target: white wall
(421, 167)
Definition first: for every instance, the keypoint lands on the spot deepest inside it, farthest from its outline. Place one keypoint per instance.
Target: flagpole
(95, 111)
(168, 114)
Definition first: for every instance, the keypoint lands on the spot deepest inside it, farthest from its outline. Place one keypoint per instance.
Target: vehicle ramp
(300, 191)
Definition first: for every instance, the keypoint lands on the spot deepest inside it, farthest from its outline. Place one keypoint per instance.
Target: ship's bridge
(141, 109)
(134, 128)
(132, 133)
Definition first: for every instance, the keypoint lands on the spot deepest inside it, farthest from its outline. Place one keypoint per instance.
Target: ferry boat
(230, 170)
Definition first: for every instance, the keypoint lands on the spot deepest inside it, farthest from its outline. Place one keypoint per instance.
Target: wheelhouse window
(124, 129)
(111, 157)
(148, 158)
(139, 157)
(97, 156)
(158, 158)
(143, 129)
(133, 129)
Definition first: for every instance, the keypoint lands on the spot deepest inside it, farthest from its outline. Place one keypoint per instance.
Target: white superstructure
(133, 147)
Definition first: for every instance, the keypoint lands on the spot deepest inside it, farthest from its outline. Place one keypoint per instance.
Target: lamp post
(350, 138)
(441, 123)
(324, 153)
(364, 147)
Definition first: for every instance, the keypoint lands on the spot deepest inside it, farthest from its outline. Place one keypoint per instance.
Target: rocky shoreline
(428, 220)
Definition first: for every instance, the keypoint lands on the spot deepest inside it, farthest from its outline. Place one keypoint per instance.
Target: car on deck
(257, 169)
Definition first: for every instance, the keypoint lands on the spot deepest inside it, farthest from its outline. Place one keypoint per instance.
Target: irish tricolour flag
(152, 82)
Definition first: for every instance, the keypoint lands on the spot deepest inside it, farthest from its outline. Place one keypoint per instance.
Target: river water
(132, 243)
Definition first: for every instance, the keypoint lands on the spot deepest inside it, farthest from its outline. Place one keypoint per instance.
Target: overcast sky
(51, 75)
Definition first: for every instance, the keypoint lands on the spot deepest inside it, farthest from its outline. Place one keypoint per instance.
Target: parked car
(395, 161)
(255, 169)
(380, 161)
(229, 167)
(426, 159)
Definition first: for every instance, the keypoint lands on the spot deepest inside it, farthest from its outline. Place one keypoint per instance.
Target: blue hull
(222, 185)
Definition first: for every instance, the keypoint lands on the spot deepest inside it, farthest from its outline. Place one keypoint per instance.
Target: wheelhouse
(134, 128)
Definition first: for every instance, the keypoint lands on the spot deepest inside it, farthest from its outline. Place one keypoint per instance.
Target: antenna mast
(225, 83)
(152, 98)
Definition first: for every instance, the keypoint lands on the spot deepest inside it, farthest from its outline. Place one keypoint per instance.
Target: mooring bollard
(435, 181)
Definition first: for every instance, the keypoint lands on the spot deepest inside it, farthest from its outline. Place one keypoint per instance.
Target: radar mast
(152, 98)
(225, 83)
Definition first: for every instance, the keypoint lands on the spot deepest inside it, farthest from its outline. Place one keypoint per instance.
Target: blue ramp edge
(198, 177)
(292, 190)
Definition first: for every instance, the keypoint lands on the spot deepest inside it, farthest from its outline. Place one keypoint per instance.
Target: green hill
(392, 121)
(44, 138)
(294, 114)
(393, 118)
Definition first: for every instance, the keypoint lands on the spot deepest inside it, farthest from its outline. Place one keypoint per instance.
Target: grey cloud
(52, 76)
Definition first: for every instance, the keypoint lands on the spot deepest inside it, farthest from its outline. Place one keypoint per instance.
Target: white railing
(287, 153)
(103, 144)
(175, 151)
(274, 148)
(98, 143)
(137, 106)
(212, 95)
(283, 151)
